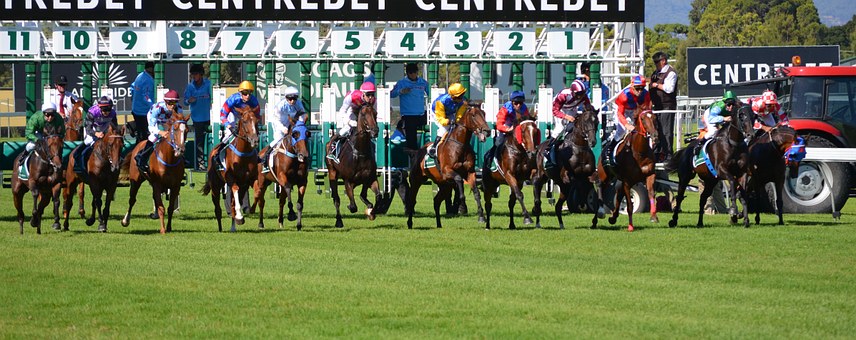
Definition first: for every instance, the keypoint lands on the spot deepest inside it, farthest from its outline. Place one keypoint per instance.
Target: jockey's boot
(142, 157)
(23, 157)
(78, 159)
(608, 151)
(432, 150)
(334, 148)
(266, 156)
(488, 157)
(698, 146)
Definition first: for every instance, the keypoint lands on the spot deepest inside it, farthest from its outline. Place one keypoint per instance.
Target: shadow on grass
(828, 223)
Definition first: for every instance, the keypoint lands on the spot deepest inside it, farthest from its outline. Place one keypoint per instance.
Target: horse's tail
(413, 155)
(206, 189)
(676, 160)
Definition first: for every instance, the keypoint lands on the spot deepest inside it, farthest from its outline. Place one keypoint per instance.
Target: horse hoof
(56, 227)
(463, 210)
(352, 208)
(102, 228)
(733, 219)
(261, 225)
(239, 221)
(163, 231)
(369, 211)
(90, 221)
(655, 219)
(299, 227)
(612, 220)
(673, 224)
(538, 226)
(527, 221)
(292, 217)
(481, 219)
(562, 227)
(81, 213)
(339, 224)
(700, 225)
(154, 216)
(630, 228)
(601, 213)
(593, 227)
(512, 227)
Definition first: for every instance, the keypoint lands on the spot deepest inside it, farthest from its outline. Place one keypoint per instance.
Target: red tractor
(820, 103)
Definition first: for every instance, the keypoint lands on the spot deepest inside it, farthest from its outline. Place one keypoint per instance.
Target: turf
(378, 279)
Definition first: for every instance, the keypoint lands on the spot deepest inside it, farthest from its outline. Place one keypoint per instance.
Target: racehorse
(576, 164)
(44, 181)
(455, 163)
(357, 166)
(516, 160)
(102, 174)
(166, 170)
(241, 168)
(769, 157)
(74, 123)
(728, 155)
(289, 168)
(634, 163)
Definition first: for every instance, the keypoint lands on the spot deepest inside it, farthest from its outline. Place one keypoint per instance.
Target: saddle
(81, 158)
(24, 168)
(704, 158)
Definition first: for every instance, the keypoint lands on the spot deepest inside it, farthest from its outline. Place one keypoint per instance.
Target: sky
(832, 12)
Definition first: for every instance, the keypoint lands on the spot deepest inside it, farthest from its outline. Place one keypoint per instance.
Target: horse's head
(647, 123)
(177, 132)
(247, 126)
(473, 120)
(530, 136)
(298, 142)
(367, 121)
(586, 123)
(114, 140)
(745, 120)
(75, 117)
(51, 147)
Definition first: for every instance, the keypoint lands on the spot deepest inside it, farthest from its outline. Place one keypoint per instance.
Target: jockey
(243, 98)
(719, 112)
(158, 115)
(508, 118)
(566, 105)
(451, 102)
(36, 127)
(767, 111)
(627, 103)
(98, 118)
(347, 117)
(289, 110)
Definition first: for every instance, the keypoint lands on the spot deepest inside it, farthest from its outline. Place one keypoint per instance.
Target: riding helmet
(368, 87)
(48, 107)
(105, 101)
(62, 80)
(517, 96)
(246, 85)
(457, 90)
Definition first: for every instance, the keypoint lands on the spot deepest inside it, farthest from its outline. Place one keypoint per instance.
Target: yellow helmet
(246, 86)
(457, 90)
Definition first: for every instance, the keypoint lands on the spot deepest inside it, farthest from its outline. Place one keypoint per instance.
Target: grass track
(378, 279)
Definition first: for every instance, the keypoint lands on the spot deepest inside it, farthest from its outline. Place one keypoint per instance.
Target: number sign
(568, 42)
(460, 41)
(13, 42)
(352, 41)
(514, 42)
(297, 41)
(406, 42)
(187, 41)
(79, 41)
(130, 40)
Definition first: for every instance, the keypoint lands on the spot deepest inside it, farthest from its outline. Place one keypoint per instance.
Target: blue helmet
(517, 96)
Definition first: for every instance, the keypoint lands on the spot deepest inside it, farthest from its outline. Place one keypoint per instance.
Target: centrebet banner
(332, 10)
(710, 69)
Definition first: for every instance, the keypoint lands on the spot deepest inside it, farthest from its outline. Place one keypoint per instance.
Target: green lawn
(377, 279)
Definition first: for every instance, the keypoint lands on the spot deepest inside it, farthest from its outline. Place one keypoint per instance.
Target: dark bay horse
(102, 174)
(573, 173)
(455, 164)
(728, 153)
(74, 123)
(634, 163)
(769, 157)
(516, 162)
(44, 182)
(289, 168)
(357, 166)
(241, 168)
(166, 170)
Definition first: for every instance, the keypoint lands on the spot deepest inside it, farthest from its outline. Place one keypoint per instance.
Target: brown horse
(574, 170)
(289, 168)
(516, 162)
(769, 157)
(455, 164)
(44, 182)
(74, 123)
(241, 168)
(357, 166)
(634, 163)
(729, 155)
(166, 170)
(102, 174)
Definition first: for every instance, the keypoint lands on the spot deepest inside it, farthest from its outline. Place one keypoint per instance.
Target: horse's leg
(301, 190)
(349, 191)
(291, 215)
(259, 200)
(471, 181)
(284, 196)
(370, 211)
(81, 208)
(537, 185)
(18, 200)
(732, 189)
(96, 205)
(488, 186)
(132, 199)
(511, 203)
(215, 199)
(173, 205)
(741, 190)
(415, 183)
(652, 198)
(442, 195)
(157, 192)
(56, 191)
(619, 195)
(518, 193)
(44, 200)
(563, 195)
(628, 194)
(67, 201)
(111, 192)
(334, 193)
(779, 184)
(705, 194)
(365, 198)
(237, 199)
(35, 220)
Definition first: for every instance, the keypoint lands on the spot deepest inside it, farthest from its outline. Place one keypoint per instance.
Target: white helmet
(291, 91)
(48, 106)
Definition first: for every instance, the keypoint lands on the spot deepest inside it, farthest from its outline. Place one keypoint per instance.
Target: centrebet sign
(709, 70)
(372, 10)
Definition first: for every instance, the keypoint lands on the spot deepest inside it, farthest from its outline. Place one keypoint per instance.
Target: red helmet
(170, 95)
(578, 86)
(769, 97)
(638, 80)
(368, 87)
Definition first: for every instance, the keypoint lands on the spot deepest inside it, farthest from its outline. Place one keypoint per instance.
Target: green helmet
(729, 95)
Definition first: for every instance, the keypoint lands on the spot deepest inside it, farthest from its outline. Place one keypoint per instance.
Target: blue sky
(832, 12)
